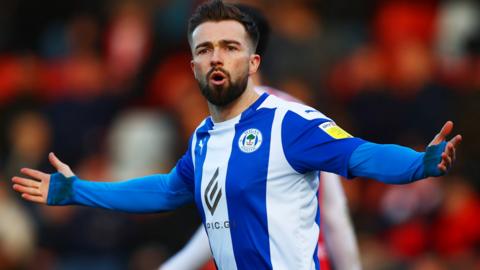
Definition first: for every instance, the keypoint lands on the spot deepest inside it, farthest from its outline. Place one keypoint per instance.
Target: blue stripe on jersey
(200, 154)
(246, 196)
(309, 148)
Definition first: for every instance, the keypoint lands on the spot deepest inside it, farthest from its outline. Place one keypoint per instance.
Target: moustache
(214, 69)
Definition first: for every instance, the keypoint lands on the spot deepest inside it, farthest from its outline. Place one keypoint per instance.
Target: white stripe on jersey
(293, 195)
(213, 176)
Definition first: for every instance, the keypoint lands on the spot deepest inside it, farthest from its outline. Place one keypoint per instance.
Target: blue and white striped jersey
(255, 180)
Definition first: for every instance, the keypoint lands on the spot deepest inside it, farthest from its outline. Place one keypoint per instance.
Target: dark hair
(216, 10)
(262, 25)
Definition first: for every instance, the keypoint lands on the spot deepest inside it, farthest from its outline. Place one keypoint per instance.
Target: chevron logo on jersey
(213, 193)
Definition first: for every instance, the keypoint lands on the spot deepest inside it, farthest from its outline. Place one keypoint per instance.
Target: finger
(446, 129)
(442, 167)
(456, 140)
(55, 161)
(446, 160)
(27, 190)
(60, 166)
(36, 199)
(443, 162)
(35, 174)
(451, 154)
(26, 182)
(449, 149)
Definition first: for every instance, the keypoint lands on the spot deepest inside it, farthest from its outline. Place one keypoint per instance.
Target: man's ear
(192, 66)
(255, 60)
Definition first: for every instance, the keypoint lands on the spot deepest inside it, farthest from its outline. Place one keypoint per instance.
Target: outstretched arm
(399, 165)
(153, 193)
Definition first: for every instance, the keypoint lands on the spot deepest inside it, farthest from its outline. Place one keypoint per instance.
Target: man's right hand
(35, 188)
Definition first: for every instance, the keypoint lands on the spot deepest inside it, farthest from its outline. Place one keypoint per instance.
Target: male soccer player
(334, 220)
(336, 231)
(252, 165)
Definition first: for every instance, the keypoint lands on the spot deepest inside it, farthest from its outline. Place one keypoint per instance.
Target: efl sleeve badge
(334, 131)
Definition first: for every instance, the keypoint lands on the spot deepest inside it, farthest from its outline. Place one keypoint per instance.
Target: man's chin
(218, 87)
(219, 100)
(222, 94)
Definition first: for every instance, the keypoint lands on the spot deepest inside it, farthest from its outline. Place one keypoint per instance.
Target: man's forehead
(216, 31)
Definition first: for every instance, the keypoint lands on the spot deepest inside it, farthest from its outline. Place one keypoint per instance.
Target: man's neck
(224, 113)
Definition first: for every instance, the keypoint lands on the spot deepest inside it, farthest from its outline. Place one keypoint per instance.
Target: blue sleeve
(155, 193)
(395, 164)
(316, 143)
(185, 167)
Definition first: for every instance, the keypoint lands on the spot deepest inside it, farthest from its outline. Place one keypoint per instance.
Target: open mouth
(218, 78)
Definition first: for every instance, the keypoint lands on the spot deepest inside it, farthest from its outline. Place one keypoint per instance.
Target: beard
(222, 95)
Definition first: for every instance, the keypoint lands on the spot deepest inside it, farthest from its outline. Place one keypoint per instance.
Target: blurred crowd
(107, 86)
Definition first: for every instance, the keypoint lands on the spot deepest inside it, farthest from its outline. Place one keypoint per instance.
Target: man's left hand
(448, 154)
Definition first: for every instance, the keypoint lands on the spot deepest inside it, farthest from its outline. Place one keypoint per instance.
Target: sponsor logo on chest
(213, 193)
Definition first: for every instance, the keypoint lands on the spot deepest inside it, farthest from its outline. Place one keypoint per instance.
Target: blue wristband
(433, 157)
(60, 191)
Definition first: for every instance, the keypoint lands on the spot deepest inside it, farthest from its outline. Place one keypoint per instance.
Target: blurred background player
(337, 245)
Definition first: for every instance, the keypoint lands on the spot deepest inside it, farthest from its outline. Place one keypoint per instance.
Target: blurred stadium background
(107, 86)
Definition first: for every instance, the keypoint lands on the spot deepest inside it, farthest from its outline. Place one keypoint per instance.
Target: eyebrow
(222, 42)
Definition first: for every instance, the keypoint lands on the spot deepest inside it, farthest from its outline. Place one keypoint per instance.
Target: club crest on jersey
(250, 140)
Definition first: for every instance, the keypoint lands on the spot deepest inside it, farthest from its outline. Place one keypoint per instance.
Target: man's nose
(217, 58)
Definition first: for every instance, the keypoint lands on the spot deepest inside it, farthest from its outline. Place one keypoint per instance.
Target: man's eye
(231, 48)
(202, 51)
